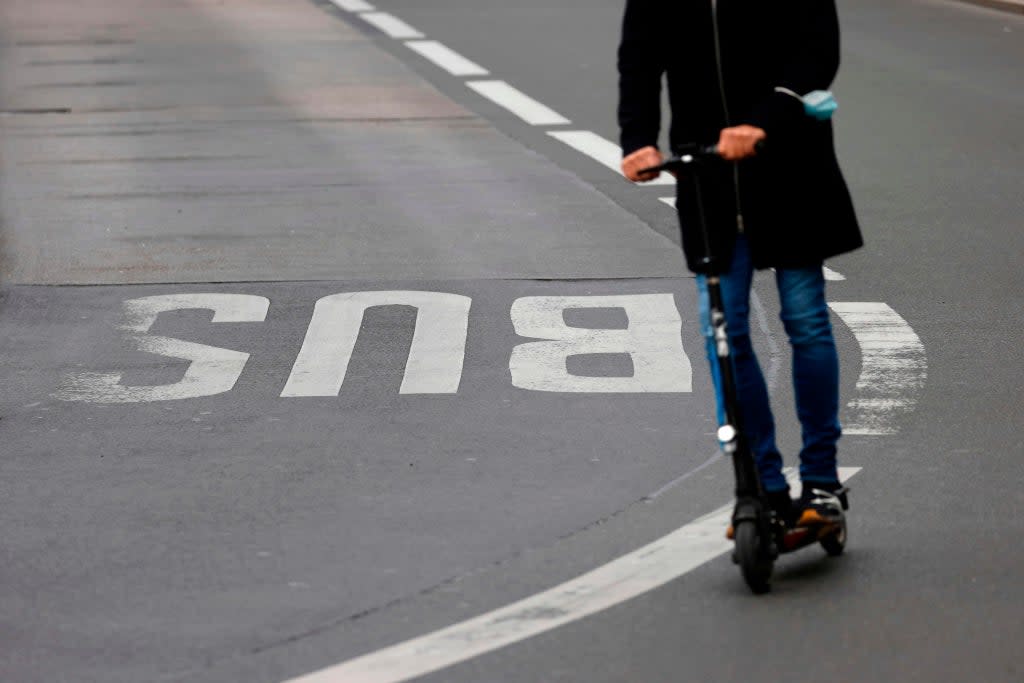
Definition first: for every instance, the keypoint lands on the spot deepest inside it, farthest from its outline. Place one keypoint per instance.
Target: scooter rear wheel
(835, 543)
(754, 560)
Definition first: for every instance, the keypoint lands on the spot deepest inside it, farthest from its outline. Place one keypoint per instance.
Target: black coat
(794, 202)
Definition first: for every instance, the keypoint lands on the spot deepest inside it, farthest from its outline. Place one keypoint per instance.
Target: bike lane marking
(622, 579)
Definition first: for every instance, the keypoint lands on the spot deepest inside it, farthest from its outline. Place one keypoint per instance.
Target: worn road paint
(652, 338)
(519, 103)
(212, 370)
(446, 58)
(893, 367)
(391, 25)
(435, 359)
(620, 580)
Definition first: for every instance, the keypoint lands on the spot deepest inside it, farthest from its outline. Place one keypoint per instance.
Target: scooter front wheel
(751, 553)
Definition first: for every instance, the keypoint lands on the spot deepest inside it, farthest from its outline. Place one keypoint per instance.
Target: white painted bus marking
(446, 58)
(212, 370)
(391, 25)
(435, 358)
(652, 338)
(625, 578)
(517, 102)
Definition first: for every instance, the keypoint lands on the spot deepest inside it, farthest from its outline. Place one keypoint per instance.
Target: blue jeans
(815, 367)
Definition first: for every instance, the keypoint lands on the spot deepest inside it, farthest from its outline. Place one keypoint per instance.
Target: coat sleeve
(812, 64)
(641, 65)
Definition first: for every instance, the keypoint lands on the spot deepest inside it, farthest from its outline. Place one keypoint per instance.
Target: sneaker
(821, 503)
(780, 503)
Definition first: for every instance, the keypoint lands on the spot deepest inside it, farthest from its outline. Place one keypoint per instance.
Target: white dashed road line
(519, 103)
(391, 25)
(446, 58)
(353, 5)
(627, 577)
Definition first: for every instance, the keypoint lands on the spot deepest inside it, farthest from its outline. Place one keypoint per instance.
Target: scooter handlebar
(692, 154)
(687, 156)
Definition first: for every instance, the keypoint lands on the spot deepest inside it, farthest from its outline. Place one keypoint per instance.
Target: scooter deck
(799, 537)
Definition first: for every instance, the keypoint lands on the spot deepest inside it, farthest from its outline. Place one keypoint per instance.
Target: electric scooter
(759, 535)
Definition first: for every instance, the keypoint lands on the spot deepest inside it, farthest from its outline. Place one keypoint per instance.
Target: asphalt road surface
(327, 329)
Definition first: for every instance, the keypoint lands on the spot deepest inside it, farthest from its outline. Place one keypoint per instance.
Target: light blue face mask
(820, 104)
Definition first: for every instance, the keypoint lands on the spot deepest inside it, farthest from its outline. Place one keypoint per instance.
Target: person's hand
(738, 142)
(645, 157)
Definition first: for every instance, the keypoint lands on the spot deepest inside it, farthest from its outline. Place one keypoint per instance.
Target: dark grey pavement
(286, 150)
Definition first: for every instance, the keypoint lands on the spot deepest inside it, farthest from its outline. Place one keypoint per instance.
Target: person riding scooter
(739, 73)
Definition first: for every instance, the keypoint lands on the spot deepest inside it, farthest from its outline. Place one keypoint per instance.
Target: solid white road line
(353, 5)
(893, 367)
(519, 103)
(620, 580)
(830, 274)
(603, 151)
(446, 58)
(391, 25)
